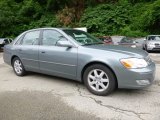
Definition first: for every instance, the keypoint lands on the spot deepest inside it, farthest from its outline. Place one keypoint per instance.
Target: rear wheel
(99, 79)
(18, 67)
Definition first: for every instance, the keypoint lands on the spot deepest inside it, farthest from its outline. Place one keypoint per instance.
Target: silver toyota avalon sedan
(77, 55)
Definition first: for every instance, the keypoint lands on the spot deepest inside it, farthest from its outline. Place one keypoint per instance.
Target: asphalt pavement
(42, 97)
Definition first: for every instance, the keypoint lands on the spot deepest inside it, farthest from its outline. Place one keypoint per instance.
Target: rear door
(27, 50)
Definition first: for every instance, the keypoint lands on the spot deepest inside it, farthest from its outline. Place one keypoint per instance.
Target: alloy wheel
(98, 80)
(18, 66)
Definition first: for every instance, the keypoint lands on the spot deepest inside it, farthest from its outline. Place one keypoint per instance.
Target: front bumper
(153, 48)
(137, 78)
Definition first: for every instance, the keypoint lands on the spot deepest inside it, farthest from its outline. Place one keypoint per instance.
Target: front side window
(31, 38)
(50, 37)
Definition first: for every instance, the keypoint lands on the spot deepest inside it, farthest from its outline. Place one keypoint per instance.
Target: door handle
(43, 52)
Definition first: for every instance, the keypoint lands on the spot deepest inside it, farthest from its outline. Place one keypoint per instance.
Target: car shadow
(50, 77)
(154, 52)
(81, 86)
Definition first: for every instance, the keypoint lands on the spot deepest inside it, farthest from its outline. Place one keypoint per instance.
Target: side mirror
(64, 43)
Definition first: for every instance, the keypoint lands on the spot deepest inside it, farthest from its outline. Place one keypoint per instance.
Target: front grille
(157, 44)
(158, 48)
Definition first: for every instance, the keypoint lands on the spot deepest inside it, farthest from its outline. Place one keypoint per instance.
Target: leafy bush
(101, 17)
(107, 19)
(127, 31)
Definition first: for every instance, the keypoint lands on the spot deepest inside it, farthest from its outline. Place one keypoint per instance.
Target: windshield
(154, 38)
(82, 37)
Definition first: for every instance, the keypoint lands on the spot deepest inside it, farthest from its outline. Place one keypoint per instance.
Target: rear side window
(18, 39)
(31, 38)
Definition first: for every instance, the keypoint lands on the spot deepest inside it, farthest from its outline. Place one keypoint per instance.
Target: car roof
(40, 29)
(52, 28)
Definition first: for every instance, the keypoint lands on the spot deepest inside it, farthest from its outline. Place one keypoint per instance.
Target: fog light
(143, 82)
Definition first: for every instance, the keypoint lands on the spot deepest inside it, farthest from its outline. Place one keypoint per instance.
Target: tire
(94, 82)
(18, 67)
(143, 48)
(147, 49)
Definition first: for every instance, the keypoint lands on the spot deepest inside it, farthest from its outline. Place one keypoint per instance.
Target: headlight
(131, 63)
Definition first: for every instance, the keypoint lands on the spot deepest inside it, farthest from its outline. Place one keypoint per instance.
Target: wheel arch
(13, 56)
(98, 62)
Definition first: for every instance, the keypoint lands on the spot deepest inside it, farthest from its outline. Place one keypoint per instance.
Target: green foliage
(146, 17)
(130, 18)
(107, 19)
(45, 21)
(101, 17)
(127, 31)
(20, 15)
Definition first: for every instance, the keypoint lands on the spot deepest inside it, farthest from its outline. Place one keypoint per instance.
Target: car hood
(132, 52)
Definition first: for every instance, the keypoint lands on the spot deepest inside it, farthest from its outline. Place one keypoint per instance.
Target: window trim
(18, 41)
(74, 43)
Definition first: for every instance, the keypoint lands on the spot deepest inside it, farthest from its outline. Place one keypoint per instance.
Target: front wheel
(99, 79)
(18, 67)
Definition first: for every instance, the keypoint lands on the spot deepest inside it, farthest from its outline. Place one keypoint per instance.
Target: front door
(56, 60)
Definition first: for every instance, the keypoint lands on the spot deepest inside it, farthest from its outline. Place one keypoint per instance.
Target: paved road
(39, 97)
(155, 57)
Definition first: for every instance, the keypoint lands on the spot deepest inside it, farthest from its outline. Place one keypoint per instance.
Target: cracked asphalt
(42, 97)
